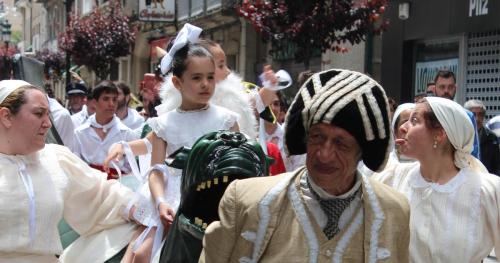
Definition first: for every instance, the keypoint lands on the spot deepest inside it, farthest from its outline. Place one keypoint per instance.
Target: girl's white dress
(179, 128)
(454, 222)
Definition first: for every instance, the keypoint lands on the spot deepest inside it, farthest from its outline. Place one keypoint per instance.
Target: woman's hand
(167, 214)
(115, 153)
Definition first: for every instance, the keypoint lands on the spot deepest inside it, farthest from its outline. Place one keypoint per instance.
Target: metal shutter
(483, 70)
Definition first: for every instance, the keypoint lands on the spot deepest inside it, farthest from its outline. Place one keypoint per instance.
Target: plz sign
(478, 7)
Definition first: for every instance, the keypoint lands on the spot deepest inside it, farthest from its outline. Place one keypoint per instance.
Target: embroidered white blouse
(454, 222)
(63, 185)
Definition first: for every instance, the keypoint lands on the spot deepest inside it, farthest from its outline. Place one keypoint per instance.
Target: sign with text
(157, 10)
(478, 7)
(426, 71)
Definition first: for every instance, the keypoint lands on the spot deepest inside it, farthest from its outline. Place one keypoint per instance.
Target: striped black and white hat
(347, 99)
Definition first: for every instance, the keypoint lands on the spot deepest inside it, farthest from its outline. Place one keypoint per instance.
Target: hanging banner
(157, 10)
(426, 71)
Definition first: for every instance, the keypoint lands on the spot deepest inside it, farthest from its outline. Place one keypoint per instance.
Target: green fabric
(145, 130)
(66, 233)
(223, 156)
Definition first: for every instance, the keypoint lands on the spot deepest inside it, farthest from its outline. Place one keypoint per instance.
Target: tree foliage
(99, 38)
(54, 63)
(314, 24)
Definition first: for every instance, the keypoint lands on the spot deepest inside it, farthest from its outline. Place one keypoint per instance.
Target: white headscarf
(399, 156)
(399, 109)
(459, 129)
(9, 86)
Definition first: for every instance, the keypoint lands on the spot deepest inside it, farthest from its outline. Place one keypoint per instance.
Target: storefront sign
(426, 71)
(478, 7)
(157, 10)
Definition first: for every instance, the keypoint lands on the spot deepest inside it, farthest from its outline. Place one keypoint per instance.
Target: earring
(435, 144)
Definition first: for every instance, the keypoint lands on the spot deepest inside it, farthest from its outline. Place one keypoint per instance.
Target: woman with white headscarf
(454, 200)
(401, 116)
(40, 184)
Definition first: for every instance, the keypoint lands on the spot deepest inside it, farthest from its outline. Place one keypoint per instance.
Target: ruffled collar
(417, 181)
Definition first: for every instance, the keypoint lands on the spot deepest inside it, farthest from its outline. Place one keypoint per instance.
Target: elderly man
(326, 211)
(77, 96)
(490, 152)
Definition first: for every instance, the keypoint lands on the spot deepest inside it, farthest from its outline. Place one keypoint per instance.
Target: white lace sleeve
(159, 126)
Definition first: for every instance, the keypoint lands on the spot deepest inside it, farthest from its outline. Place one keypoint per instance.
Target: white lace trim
(351, 230)
(377, 221)
(475, 211)
(304, 221)
(265, 217)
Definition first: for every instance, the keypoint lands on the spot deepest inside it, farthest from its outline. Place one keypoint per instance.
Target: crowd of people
(357, 178)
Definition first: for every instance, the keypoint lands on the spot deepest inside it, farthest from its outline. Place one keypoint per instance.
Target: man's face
(105, 106)
(332, 154)
(479, 114)
(445, 88)
(122, 100)
(76, 102)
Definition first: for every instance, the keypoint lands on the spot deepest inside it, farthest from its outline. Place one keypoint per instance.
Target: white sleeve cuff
(148, 144)
(259, 104)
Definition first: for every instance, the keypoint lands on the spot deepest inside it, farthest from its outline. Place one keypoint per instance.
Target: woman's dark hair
(105, 86)
(179, 62)
(16, 99)
(304, 76)
(152, 108)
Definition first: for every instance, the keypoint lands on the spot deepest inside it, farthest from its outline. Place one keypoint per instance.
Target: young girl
(230, 92)
(193, 70)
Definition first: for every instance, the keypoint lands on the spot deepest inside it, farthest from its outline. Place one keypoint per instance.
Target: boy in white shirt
(94, 137)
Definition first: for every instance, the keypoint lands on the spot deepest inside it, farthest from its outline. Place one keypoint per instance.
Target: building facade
(427, 35)
(158, 21)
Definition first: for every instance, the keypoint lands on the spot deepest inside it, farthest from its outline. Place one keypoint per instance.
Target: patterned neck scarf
(333, 209)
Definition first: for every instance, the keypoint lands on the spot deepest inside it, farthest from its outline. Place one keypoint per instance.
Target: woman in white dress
(40, 184)
(454, 200)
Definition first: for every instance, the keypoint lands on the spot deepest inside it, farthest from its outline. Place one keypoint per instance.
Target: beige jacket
(265, 220)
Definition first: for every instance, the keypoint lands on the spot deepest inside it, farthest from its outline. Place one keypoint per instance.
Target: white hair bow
(188, 34)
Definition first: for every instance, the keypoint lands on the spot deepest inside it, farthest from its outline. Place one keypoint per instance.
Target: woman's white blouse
(63, 186)
(454, 222)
